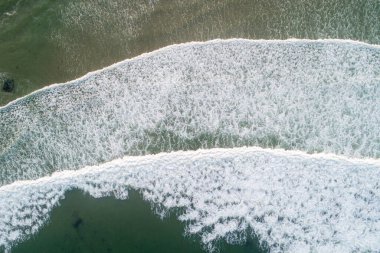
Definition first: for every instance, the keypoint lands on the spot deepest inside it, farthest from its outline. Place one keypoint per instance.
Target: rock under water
(8, 85)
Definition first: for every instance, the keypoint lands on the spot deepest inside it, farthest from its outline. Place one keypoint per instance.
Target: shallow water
(45, 41)
(312, 96)
(85, 224)
(201, 95)
(290, 201)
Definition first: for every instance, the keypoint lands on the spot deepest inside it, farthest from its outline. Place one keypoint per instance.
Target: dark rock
(77, 223)
(9, 85)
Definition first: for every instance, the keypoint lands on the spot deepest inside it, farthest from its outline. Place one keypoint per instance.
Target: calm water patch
(84, 224)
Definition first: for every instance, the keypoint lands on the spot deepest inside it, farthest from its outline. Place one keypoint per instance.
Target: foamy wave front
(315, 96)
(294, 202)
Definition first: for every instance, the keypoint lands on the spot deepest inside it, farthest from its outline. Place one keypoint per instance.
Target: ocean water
(314, 96)
(46, 41)
(289, 200)
(275, 142)
(85, 224)
(230, 145)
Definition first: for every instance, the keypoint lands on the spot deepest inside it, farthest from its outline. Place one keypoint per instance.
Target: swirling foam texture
(294, 202)
(315, 96)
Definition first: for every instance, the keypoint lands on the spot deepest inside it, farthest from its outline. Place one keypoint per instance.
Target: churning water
(258, 100)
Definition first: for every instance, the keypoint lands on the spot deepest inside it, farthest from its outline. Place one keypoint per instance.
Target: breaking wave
(293, 202)
(314, 96)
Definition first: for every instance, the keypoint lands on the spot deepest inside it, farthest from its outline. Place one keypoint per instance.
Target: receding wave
(293, 202)
(314, 96)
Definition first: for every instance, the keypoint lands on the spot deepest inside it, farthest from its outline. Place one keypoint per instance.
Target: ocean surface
(85, 224)
(229, 145)
(48, 41)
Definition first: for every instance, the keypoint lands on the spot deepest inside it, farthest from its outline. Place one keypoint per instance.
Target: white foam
(315, 96)
(294, 202)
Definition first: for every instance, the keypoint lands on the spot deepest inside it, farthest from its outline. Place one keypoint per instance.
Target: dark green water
(85, 224)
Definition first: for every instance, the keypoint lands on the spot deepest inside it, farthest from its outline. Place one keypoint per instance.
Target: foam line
(294, 202)
(314, 96)
(147, 54)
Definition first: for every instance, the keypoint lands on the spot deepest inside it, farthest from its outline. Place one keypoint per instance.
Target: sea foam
(292, 201)
(314, 96)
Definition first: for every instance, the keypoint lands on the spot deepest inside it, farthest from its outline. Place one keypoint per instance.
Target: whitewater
(274, 139)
